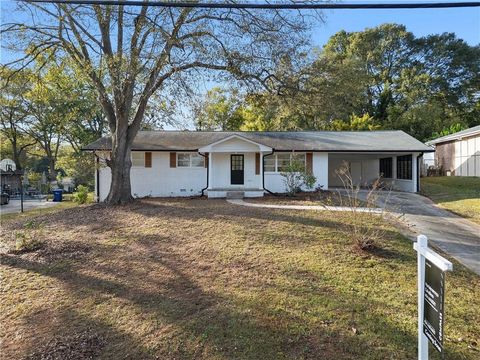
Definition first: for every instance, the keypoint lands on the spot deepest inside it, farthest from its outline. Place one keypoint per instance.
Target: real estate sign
(433, 305)
(431, 269)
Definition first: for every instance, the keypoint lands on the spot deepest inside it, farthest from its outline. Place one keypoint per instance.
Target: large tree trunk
(120, 165)
(52, 174)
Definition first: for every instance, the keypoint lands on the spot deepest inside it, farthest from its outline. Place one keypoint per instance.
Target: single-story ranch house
(186, 163)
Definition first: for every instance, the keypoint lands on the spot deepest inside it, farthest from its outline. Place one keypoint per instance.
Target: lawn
(458, 194)
(205, 279)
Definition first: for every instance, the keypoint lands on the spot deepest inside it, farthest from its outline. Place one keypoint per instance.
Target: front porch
(235, 167)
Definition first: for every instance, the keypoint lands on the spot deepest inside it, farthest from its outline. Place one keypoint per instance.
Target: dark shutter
(386, 166)
(206, 160)
(257, 163)
(309, 163)
(404, 167)
(148, 159)
(173, 160)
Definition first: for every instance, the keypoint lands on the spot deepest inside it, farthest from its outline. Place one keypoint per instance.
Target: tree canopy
(386, 75)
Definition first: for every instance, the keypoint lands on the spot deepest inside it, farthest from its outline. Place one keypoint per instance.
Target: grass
(197, 279)
(458, 194)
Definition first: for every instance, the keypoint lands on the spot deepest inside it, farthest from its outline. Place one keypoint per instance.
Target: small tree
(364, 212)
(295, 176)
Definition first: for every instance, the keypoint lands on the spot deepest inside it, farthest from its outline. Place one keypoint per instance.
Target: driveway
(453, 234)
(14, 205)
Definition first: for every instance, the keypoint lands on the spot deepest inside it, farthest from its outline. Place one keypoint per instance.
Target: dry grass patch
(181, 279)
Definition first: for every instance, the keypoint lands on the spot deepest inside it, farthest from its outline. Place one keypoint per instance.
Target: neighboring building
(186, 163)
(10, 177)
(11, 181)
(458, 154)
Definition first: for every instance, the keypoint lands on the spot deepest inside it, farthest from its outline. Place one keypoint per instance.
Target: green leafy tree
(148, 50)
(13, 114)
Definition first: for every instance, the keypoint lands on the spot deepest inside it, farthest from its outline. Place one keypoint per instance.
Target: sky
(465, 22)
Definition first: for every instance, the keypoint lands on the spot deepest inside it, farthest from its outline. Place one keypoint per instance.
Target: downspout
(97, 174)
(208, 168)
(418, 171)
(263, 173)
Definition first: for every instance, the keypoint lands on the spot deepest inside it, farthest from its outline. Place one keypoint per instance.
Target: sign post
(431, 269)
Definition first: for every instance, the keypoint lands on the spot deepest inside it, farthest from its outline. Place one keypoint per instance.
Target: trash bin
(57, 195)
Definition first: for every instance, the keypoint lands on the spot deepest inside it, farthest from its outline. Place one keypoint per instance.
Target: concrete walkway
(304, 207)
(453, 234)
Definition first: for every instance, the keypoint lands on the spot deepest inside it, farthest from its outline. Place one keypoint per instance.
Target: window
(283, 161)
(269, 162)
(386, 165)
(279, 162)
(404, 167)
(138, 159)
(190, 160)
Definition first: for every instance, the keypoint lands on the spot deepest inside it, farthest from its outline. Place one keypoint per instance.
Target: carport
(399, 171)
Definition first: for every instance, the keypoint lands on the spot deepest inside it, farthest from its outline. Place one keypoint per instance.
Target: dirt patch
(81, 346)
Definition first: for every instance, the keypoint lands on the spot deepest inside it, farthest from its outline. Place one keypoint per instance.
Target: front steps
(235, 194)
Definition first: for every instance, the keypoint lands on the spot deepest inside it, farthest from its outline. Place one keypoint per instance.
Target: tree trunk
(120, 165)
(52, 174)
(16, 155)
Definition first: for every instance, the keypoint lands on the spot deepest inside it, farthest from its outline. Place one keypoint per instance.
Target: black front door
(236, 169)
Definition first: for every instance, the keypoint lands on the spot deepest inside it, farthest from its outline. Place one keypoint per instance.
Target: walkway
(304, 207)
(453, 234)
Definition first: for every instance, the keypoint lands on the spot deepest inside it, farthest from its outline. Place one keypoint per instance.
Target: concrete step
(235, 194)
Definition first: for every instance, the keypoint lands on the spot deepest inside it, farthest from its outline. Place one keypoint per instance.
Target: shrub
(295, 176)
(81, 195)
(363, 235)
(27, 240)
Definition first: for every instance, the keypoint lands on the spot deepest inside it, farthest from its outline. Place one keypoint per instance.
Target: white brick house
(187, 163)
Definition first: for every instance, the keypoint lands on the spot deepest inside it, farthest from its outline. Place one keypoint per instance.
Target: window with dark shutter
(309, 163)
(148, 159)
(173, 160)
(257, 163)
(386, 167)
(404, 167)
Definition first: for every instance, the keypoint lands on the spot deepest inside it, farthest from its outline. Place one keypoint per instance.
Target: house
(186, 163)
(458, 154)
(10, 177)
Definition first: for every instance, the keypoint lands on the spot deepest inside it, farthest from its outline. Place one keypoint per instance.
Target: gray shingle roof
(326, 141)
(461, 134)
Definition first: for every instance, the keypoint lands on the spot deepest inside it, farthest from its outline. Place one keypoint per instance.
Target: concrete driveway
(14, 205)
(453, 234)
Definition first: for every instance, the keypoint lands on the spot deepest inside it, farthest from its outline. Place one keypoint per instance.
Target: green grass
(458, 194)
(198, 279)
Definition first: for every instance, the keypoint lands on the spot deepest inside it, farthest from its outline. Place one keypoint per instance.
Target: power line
(245, 5)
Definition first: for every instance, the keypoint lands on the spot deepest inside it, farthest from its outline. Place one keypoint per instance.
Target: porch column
(261, 171)
(414, 172)
(210, 170)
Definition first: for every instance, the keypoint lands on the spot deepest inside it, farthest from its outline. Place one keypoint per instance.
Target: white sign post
(424, 253)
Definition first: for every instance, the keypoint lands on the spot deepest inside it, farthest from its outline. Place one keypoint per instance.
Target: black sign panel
(433, 305)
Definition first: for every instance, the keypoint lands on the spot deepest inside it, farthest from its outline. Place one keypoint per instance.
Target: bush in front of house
(81, 195)
(295, 176)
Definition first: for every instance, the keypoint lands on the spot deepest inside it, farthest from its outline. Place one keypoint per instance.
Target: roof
(324, 141)
(456, 136)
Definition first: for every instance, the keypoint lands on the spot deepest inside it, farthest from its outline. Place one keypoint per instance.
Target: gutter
(263, 173)
(208, 170)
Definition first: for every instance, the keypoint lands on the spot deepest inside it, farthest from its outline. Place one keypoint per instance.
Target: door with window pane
(236, 169)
